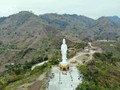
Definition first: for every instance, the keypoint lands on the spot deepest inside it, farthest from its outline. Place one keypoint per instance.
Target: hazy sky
(90, 8)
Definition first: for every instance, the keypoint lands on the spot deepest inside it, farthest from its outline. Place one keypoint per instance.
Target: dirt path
(41, 77)
(82, 57)
(38, 64)
(36, 86)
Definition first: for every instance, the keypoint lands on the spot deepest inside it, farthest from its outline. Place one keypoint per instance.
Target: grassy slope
(103, 73)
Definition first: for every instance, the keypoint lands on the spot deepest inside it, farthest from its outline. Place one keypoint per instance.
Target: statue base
(64, 66)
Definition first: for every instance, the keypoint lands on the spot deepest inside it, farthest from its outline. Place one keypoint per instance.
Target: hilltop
(25, 30)
(27, 39)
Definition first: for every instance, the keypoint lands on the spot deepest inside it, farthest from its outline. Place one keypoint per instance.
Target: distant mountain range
(84, 27)
(115, 19)
(26, 27)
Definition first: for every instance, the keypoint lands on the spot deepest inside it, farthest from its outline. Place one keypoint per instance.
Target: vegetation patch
(101, 73)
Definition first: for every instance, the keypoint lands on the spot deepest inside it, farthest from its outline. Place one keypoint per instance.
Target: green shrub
(71, 54)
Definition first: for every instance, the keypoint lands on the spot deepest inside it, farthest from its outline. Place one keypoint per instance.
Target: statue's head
(63, 41)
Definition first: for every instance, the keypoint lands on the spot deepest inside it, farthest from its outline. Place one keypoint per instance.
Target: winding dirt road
(82, 57)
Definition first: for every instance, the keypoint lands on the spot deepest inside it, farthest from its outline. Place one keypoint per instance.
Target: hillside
(84, 27)
(24, 27)
(77, 25)
(103, 72)
(24, 30)
(114, 19)
(27, 39)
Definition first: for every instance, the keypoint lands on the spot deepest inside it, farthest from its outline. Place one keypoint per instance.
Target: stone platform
(64, 80)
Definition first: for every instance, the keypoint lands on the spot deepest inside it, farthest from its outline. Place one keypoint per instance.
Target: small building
(71, 49)
(86, 49)
(64, 67)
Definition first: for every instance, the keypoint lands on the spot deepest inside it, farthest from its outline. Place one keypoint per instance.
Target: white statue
(64, 51)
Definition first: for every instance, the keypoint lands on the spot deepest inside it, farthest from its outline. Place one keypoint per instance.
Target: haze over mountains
(26, 27)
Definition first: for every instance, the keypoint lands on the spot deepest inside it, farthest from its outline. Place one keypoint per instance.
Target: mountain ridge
(22, 26)
(114, 18)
